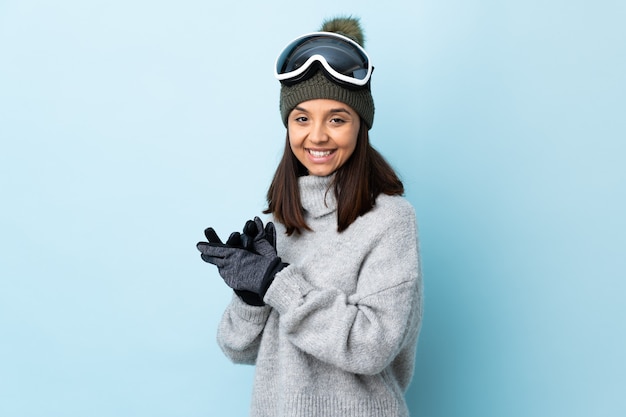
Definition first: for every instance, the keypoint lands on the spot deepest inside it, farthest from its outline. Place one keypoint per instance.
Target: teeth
(319, 154)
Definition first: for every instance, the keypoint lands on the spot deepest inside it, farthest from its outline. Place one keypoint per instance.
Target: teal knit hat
(321, 87)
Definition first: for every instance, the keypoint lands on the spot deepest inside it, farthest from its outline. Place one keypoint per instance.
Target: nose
(318, 133)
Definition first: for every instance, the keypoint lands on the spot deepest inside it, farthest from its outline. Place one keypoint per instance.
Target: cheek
(296, 147)
(351, 143)
(296, 139)
(293, 144)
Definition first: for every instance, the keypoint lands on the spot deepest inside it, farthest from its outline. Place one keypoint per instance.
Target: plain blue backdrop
(127, 127)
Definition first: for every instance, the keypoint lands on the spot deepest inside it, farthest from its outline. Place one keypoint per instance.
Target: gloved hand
(243, 269)
(252, 230)
(235, 240)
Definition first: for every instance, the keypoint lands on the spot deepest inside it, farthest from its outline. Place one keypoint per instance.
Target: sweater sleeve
(240, 330)
(361, 332)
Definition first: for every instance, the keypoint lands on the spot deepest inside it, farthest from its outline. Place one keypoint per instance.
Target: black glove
(243, 269)
(254, 230)
(235, 240)
(251, 230)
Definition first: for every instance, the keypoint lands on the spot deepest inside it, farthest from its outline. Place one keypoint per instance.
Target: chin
(320, 172)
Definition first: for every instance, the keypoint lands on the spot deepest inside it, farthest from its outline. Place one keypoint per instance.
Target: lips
(319, 154)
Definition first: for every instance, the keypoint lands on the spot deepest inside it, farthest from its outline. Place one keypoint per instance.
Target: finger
(270, 233)
(212, 236)
(234, 239)
(259, 226)
(212, 249)
(246, 242)
(219, 262)
(249, 232)
(250, 228)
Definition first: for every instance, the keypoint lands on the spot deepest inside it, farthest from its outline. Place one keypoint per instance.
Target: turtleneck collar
(317, 200)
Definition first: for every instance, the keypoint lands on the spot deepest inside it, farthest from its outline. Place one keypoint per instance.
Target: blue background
(127, 127)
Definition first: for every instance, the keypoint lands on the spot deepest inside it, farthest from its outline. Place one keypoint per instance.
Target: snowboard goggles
(344, 60)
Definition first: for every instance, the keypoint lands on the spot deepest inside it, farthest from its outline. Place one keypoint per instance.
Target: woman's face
(323, 134)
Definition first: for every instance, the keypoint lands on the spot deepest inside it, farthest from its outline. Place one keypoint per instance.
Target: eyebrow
(337, 110)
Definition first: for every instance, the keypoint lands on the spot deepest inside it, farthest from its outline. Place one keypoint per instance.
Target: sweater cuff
(288, 289)
(249, 313)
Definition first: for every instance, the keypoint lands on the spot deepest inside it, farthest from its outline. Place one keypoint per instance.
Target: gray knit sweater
(338, 334)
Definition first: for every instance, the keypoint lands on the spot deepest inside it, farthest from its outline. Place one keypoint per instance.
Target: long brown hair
(357, 184)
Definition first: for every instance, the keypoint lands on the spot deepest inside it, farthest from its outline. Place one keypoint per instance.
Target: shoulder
(391, 217)
(393, 209)
(394, 204)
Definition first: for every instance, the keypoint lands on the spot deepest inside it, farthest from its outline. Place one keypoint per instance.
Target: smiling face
(323, 134)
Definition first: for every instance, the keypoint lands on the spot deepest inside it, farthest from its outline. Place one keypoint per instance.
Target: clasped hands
(247, 261)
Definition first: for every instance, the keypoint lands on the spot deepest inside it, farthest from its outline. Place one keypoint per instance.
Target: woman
(328, 298)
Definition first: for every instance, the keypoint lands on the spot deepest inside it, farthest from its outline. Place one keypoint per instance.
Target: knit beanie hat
(319, 86)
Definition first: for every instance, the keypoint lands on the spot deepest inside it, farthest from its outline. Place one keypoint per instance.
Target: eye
(301, 119)
(337, 120)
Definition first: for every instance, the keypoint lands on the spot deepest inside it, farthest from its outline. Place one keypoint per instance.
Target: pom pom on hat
(349, 27)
